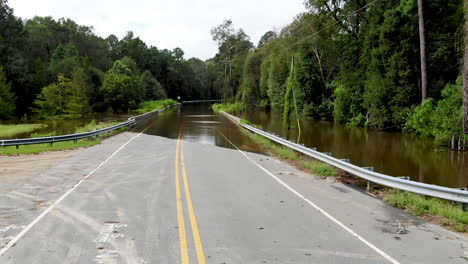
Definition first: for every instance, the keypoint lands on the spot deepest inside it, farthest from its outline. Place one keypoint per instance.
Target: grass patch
(420, 205)
(245, 121)
(316, 167)
(229, 108)
(93, 126)
(38, 148)
(149, 106)
(321, 169)
(37, 135)
(11, 130)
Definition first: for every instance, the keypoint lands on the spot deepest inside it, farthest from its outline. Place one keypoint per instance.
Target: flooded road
(391, 153)
(200, 124)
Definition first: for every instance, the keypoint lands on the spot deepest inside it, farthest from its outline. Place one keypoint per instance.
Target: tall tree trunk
(422, 47)
(465, 73)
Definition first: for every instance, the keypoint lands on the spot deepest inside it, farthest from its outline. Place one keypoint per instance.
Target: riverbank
(444, 213)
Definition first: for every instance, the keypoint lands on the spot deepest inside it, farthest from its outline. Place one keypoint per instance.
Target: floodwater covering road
(167, 193)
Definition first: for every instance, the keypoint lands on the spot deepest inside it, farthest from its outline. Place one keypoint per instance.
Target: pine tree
(7, 99)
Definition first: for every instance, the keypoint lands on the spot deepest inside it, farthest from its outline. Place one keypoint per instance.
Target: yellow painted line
(193, 219)
(184, 256)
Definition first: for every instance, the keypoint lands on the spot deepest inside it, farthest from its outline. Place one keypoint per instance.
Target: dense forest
(357, 62)
(389, 65)
(59, 69)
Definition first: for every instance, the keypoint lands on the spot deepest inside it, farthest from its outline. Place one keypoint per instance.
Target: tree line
(59, 69)
(390, 65)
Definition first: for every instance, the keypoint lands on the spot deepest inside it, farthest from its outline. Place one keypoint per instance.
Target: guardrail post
(464, 205)
(17, 146)
(370, 185)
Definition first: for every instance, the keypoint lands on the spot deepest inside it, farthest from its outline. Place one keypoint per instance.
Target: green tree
(78, 104)
(233, 45)
(7, 99)
(53, 100)
(268, 36)
(65, 60)
(151, 88)
(120, 86)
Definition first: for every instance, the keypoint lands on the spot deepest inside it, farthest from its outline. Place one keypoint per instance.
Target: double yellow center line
(184, 255)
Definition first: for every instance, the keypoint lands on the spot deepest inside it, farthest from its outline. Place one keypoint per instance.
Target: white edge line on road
(363, 240)
(35, 221)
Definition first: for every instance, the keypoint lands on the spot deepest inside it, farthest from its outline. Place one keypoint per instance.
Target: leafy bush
(359, 121)
(442, 120)
(420, 120)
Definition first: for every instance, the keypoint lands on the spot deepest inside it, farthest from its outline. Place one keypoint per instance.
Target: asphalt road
(140, 198)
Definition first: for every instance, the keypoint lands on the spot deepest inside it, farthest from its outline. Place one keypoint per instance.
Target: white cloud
(168, 23)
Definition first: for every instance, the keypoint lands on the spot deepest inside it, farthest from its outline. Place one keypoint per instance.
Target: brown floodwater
(200, 124)
(391, 153)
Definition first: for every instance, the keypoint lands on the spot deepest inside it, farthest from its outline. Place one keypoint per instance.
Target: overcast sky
(168, 23)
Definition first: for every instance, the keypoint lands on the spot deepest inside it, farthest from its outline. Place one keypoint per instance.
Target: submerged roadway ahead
(140, 198)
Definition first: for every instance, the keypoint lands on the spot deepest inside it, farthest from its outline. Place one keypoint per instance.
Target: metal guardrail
(403, 183)
(132, 121)
(202, 101)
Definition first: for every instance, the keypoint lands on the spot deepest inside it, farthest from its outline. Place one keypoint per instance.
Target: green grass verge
(247, 122)
(321, 169)
(93, 126)
(38, 148)
(149, 106)
(11, 130)
(420, 205)
(50, 134)
(229, 108)
(316, 167)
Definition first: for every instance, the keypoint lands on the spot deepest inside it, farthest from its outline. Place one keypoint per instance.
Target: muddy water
(63, 127)
(200, 124)
(390, 153)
